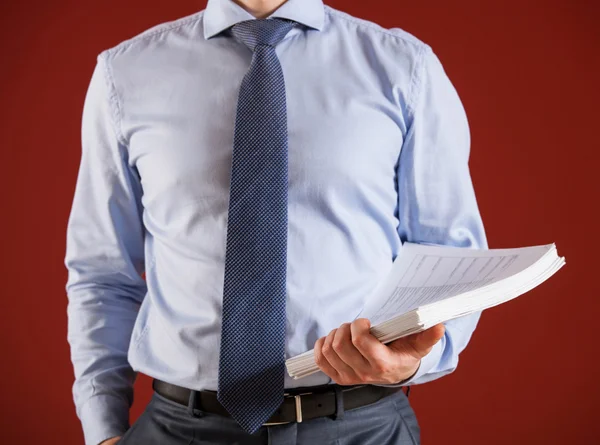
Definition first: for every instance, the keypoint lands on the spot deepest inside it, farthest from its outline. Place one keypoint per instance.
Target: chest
(343, 136)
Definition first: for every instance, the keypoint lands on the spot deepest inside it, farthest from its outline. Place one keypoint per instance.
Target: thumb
(425, 340)
(418, 345)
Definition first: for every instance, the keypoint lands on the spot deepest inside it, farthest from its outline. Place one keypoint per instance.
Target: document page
(424, 274)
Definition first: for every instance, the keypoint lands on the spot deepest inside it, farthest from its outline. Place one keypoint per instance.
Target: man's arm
(436, 205)
(105, 260)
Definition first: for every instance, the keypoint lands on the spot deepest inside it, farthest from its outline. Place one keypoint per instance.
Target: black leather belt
(298, 404)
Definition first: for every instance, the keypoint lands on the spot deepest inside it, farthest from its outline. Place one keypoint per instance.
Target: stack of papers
(430, 284)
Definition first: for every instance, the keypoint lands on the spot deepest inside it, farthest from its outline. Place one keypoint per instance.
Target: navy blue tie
(252, 354)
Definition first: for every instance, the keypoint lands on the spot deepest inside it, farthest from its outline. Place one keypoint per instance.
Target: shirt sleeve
(105, 262)
(436, 199)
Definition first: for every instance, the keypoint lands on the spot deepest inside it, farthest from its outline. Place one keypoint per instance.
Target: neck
(260, 8)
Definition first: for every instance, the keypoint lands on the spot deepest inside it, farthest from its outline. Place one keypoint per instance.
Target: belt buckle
(298, 401)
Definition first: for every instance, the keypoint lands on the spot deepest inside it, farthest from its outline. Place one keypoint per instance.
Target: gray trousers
(389, 421)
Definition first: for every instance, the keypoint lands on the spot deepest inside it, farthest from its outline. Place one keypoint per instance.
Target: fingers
(337, 356)
(346, 351)
(366, 343)
(322, 362)
(343, 370)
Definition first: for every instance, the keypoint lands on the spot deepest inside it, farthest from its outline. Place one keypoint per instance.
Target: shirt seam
(115, 107)
(416, 82)
(373, 26)
(165, 27)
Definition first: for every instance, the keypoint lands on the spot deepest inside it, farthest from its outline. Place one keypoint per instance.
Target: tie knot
(261, 31)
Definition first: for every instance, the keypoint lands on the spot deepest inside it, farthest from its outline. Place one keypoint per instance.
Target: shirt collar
(221, 14)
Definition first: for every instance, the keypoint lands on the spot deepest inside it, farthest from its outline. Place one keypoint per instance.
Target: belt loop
(192, 403)
(339, 403)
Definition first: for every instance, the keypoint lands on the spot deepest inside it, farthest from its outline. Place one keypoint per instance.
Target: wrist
(415, 370)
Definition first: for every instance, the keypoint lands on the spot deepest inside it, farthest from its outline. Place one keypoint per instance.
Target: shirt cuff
(428, 362)
(103, 417)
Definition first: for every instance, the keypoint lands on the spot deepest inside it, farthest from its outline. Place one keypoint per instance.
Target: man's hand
(351, 355)
(111, 441)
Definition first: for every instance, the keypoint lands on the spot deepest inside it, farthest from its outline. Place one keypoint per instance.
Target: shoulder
(147, 39)
(397, 36)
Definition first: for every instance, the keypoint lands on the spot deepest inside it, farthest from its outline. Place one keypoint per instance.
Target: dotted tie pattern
(252, 354)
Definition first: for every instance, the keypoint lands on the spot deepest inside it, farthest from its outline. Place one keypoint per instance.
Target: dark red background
(527, 75)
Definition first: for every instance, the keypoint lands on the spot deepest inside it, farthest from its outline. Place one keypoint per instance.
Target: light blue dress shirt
(378, 155)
